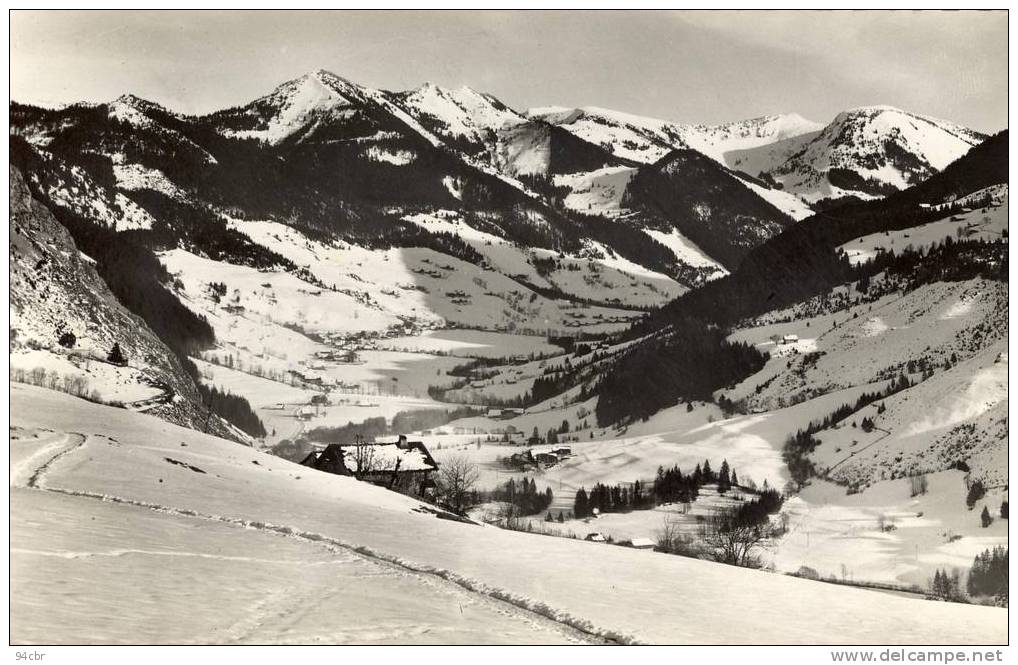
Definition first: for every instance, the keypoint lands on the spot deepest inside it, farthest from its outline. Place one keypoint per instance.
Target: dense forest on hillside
(693, 362)
(234, 408)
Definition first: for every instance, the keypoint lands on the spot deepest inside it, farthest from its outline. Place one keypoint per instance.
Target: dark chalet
(403, 466)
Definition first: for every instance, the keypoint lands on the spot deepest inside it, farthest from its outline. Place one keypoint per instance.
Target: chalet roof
(383, 456)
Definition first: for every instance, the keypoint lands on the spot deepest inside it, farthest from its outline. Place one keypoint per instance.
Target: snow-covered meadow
(200, 505)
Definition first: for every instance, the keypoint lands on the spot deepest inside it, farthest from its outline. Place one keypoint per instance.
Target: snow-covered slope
(192, 508)
(65, 321)
(988, 223)
(632, 137)
(956, 416)
(297, 106)
(871, 151)
(464, 117)
(872, 341)
(646, 140)
(722, 141)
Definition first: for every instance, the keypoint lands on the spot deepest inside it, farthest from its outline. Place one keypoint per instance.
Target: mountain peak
(135, 102)
(873, 108)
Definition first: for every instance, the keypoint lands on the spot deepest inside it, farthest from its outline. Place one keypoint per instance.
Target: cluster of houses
(401, 465)
(540, 458)
(311, 377)
(341, 355)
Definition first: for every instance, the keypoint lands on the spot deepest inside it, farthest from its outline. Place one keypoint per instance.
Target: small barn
(402, 465)
(789, 339)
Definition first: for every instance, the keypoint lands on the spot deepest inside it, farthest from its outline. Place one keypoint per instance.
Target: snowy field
(829, 529)
(109, 382)
(472, 344)
(172, 489)
(841, 528)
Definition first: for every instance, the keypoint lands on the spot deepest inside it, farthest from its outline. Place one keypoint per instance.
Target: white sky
(683, 66)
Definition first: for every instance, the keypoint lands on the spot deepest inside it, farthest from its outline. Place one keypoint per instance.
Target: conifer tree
(724, 480)
(581, 508)
(116, 355)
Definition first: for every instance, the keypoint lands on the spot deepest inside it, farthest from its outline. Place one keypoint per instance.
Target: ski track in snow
(512, 605)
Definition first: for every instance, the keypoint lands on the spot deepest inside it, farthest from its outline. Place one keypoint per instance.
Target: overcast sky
(684, 66)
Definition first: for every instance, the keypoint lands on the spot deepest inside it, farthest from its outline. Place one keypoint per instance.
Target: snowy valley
(571, 309)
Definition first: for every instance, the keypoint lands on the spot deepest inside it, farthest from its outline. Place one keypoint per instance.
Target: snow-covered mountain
(866, 152)
(646, 140)
(707, 203)
(871, 151)
(629, 136)
(293, 110)
(643, 209)
(463, 117)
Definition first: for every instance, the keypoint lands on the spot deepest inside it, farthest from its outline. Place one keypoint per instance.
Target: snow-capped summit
(133, 109)
(296, 104)
(459, 115)
(871, 151)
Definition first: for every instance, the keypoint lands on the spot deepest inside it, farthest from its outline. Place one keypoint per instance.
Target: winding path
(30, 473)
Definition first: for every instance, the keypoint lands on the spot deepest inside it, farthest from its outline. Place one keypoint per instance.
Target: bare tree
(731, 540)
(457, 477)
(671, 539)
(363, 457)
(508, 515)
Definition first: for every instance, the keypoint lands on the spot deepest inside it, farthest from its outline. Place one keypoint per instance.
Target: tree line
(234, 408)
(669, 486)
(522, 495)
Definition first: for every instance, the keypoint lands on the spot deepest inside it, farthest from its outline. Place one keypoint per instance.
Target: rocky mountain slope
(65, 322)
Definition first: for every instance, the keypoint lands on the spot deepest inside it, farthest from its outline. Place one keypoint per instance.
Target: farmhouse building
(403, 466)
